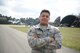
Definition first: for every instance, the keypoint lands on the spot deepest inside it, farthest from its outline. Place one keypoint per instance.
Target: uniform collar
(47, 27)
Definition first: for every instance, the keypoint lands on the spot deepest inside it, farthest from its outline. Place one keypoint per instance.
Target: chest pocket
(51, 33)
(39, 33)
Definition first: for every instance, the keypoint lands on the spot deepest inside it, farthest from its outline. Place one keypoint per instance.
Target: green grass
(71, 36)
(23, 29)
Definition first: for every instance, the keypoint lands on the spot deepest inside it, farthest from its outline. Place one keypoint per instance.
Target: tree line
(10, 20)
(67, 21)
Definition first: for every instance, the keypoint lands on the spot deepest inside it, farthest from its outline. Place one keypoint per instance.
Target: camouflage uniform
(41, 44)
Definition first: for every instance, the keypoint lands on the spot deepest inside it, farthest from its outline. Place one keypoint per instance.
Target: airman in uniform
(44, 38)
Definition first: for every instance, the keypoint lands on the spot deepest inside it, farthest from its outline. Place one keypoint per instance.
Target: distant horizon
(38, 17)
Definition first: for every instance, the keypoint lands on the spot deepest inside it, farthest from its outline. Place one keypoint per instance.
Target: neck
(43, 24)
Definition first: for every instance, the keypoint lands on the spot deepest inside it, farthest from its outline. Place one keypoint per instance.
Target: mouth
(45, 20)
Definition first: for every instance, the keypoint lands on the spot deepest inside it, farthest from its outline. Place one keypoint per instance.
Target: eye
(43, 15)
(47, 16)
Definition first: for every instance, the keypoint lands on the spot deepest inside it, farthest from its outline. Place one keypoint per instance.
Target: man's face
(44, 18)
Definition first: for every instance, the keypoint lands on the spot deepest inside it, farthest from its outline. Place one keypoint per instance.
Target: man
(44, 38)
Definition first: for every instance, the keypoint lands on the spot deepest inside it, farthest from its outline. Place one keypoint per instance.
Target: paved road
(14, 41)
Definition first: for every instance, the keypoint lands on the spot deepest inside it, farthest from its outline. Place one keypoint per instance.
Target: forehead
(45, 13)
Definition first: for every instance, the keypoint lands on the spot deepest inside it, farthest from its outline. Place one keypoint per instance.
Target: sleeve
(58, 39)
(36, 43)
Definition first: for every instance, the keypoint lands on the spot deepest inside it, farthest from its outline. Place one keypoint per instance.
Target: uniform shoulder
(52, 26)
(55, 28)
(34, 27)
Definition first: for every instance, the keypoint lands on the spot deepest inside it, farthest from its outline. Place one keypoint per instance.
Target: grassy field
(71, 36)
(23, 29)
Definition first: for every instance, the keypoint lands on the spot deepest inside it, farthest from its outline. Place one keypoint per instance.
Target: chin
(44, 23)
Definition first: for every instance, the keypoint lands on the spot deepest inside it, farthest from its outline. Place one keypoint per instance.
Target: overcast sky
(32, 8)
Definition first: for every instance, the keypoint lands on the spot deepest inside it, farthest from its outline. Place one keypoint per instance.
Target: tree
(31, 21)
(4, 19)
(22, 20)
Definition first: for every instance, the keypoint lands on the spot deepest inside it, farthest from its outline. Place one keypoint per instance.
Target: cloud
(23, 10)
(3, 10)
(2, 3)
(32, 8)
